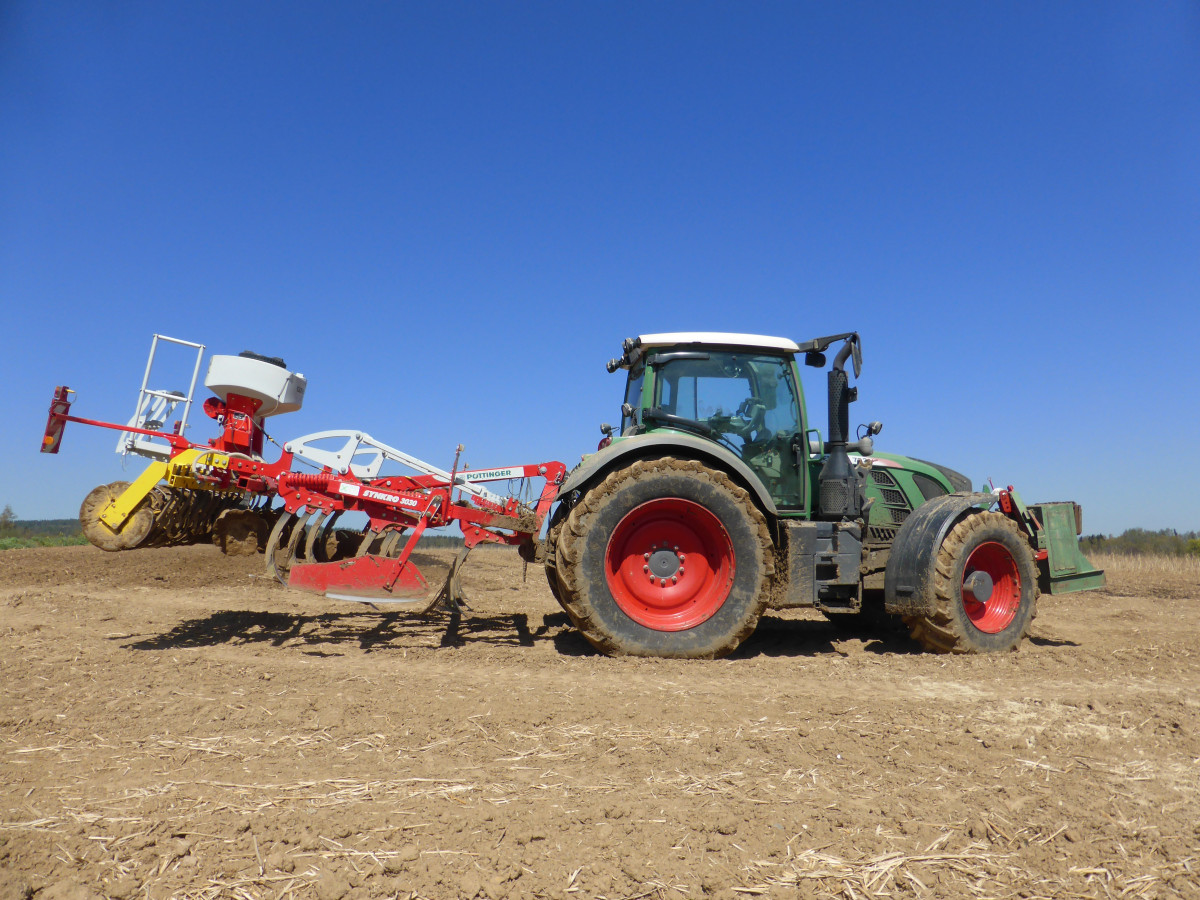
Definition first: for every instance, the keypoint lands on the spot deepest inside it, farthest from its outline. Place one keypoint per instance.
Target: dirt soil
(173, 724)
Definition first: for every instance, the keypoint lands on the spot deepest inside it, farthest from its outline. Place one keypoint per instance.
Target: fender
(653, 445)
(908, 579)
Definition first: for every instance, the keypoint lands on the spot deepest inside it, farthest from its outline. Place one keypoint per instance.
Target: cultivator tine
(370, 540)
(280, 534)
(450, 597)
(312, 532)
(290, 554)
(328, 533)
(387, 547)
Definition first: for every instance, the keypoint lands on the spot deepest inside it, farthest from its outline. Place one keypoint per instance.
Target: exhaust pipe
(841, 490)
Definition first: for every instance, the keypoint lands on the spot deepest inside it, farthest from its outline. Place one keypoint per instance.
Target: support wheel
(133, 531)
(986, 588)
(665, 558)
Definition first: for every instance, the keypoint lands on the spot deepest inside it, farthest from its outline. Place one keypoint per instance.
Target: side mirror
(815, 359)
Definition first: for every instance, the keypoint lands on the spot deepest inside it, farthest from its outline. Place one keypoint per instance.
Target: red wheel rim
(669, 564)
(997, 611)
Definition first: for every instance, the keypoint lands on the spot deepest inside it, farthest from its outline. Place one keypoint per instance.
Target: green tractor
(717, 500)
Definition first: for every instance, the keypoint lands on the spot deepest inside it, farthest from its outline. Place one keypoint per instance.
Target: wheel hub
(663, 563)
(979, 585)
(669, 564)
(991, 587)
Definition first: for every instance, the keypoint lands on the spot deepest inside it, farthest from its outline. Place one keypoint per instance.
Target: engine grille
(895, 502)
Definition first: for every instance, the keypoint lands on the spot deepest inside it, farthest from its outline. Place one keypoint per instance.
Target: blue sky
(448, 215)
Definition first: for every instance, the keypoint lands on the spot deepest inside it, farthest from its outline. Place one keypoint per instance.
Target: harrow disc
(240, 532)
(132, 532)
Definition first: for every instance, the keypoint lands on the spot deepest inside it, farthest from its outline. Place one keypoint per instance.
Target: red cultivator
(225, 490)
(305, 550)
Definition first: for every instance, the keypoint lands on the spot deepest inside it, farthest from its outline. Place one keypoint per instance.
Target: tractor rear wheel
(665, 558)
(985, 582)
(550, 565)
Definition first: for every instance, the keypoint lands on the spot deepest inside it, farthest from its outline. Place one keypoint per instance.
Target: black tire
(718, 604)
(550, 564)
(992, 543)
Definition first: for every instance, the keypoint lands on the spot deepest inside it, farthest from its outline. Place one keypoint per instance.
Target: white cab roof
(759, 341)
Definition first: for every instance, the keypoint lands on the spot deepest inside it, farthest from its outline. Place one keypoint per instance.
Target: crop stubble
(174, 725)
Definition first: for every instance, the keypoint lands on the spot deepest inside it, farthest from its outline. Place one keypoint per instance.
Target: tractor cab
(741, 391)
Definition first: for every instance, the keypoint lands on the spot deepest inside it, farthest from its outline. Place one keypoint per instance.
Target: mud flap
(908, 581)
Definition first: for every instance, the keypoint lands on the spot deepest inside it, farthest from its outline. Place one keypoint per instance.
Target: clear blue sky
(448, 215)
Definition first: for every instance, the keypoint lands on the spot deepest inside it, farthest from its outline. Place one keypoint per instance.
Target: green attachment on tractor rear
(1067, 569)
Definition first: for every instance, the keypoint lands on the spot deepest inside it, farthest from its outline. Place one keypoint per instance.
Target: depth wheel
(665, 558)
(132, 532)
(986, 588)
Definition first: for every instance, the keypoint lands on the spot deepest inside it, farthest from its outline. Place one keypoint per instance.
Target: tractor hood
(899, 484)
(956, 480)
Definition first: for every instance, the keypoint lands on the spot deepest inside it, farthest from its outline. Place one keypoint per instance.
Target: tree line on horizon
(1143, 542)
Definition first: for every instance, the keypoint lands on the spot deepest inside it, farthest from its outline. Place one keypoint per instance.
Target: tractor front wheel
(665, 558)
(985, 582)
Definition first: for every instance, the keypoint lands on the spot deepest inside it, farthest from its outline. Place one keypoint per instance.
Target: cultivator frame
(188, 489)
(304, 551)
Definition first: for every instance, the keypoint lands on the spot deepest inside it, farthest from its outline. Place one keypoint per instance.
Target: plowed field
(172, 724)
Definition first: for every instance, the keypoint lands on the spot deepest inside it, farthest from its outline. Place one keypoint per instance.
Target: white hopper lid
(279, 390)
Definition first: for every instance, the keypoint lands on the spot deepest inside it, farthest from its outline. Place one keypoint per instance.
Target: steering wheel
(755, 411)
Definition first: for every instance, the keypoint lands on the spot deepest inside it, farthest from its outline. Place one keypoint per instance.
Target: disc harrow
(189, 494)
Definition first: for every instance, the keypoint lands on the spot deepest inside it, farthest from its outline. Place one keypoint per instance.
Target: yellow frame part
(177, 472)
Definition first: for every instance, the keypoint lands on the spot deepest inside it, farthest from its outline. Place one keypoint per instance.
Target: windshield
(748, 402)
(744, 397)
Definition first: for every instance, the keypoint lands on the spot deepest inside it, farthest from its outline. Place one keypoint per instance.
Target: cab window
(750, 401)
